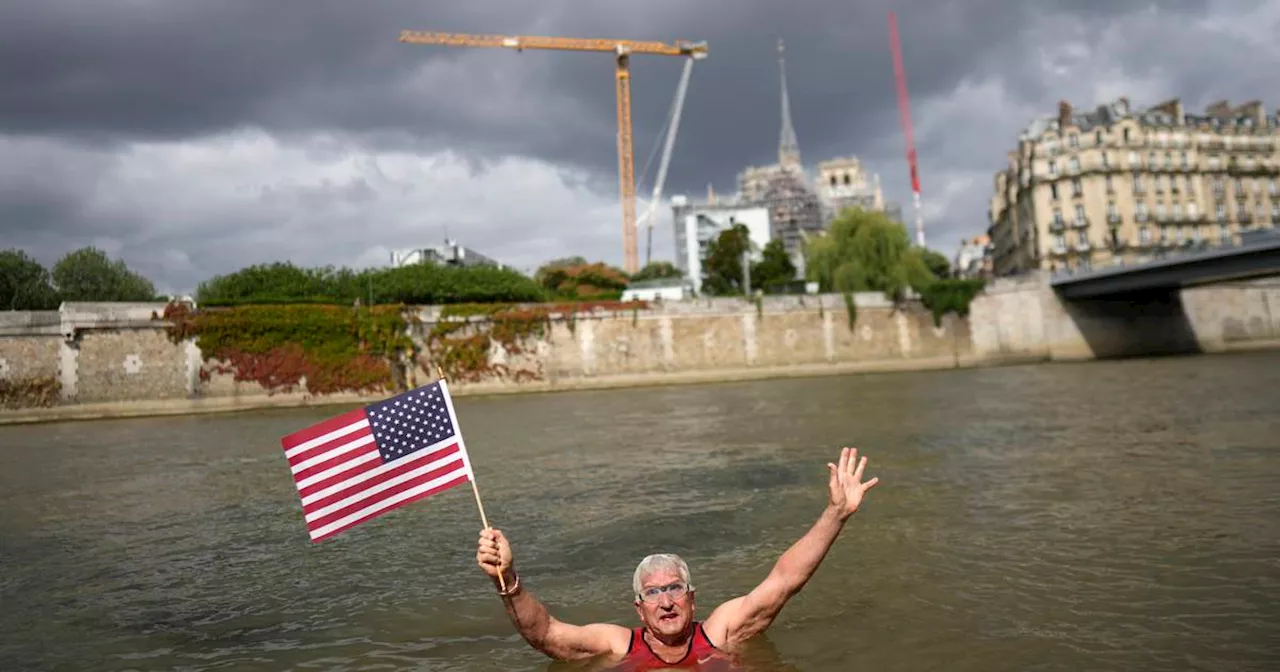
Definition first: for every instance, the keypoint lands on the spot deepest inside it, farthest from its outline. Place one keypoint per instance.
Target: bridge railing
(1167, 250)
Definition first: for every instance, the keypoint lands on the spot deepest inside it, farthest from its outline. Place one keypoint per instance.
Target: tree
(775, 268)
(722, 269)
(866, 251)
(88, 275)
(937, 264)
(574, 278)
(24, 283)
(657, 270)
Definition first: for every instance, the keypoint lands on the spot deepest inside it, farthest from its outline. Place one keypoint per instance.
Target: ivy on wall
(331, 348)
(33, 392)
(459, 343)
(360, 349)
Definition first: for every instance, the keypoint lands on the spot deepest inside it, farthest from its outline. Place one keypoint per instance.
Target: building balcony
(1082, 246)
(1058, 249)
(1080, 223)
(1140, 217)
(1113, 218)
(1057, 226)
(1252, 167)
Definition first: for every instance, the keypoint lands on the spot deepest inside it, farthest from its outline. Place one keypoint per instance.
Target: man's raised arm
(539, 628)
(744, 617)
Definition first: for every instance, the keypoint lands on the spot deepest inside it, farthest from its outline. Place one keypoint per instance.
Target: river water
(1102, 516)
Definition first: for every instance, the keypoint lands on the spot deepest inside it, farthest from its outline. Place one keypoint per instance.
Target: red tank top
(701, 655)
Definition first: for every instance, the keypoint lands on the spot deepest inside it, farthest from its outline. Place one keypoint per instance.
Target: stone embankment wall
(1024, 318)
(102, 360)
(118, 353)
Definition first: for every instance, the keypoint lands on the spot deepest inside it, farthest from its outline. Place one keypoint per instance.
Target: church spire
(788, 145)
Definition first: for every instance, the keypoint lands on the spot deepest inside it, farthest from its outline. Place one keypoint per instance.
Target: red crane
(904, 113)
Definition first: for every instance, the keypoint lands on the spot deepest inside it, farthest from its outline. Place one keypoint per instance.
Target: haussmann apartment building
(1120, 186)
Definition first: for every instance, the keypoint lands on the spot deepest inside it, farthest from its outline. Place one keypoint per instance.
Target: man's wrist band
(511, 589)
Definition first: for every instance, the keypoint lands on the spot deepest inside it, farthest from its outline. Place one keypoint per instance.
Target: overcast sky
(195, 137)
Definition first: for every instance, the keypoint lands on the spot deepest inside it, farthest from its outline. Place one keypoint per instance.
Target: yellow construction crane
(622, 50)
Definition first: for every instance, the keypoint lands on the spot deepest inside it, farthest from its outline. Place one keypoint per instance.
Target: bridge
(1257, 255)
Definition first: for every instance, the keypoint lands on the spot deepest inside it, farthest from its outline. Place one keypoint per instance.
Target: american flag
(364, 463)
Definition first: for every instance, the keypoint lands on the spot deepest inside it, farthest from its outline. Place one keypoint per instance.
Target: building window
(1053, 167)
(1218, 186)
(1107, 181)
(1159, 211)
(1074, 163)
(1144, 235)
(1168, 160)
(1133, 156)
(1177, 211)
(1079, 214)
(1073, 140)
(1097, 137)
(1127, 136)
(1140, 211)
(1137, 183)
(1185, 162)
(1076, 188)
(1192, 210)
(1222, 231)
(1275, 187)
(1057, 217)
(1053, 190)
(1060, 241)
(1221, 212)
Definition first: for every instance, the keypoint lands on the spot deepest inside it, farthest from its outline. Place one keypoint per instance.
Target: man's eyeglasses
(676, 590)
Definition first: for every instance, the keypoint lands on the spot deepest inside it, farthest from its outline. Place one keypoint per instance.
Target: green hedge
(949, 296)
(280, 283)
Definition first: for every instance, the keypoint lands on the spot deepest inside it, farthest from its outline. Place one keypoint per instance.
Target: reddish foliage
(283, 369)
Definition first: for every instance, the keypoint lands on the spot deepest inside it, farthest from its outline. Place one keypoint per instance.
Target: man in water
(664, 596)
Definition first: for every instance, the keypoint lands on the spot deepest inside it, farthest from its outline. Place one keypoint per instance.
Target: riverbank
(96, 361)
(167, 407)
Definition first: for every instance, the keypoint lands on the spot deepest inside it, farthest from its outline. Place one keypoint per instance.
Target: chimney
(1064, 113)
(1221, 108)
(1254, 110)
(1173, 108)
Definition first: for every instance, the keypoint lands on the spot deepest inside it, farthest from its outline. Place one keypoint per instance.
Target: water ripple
(1093, 516)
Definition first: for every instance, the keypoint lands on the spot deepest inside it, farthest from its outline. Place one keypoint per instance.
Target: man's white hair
(659, 562)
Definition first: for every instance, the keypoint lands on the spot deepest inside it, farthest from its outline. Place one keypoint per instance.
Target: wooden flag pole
(475, 489)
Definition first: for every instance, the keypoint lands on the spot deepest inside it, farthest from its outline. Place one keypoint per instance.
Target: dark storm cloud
(111, 73)
(170, 70)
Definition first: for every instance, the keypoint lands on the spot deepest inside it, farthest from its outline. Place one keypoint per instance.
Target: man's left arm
(744, 617)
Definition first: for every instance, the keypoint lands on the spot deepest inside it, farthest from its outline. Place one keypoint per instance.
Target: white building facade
(697, 224)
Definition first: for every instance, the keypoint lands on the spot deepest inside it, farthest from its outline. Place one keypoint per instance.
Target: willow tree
(865, 251)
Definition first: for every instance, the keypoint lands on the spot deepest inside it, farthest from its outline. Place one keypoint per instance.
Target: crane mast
(904, 113)
(677, 108)
(622, 50)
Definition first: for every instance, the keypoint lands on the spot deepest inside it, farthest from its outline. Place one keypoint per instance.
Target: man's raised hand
(494, 553)
(847, 488)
